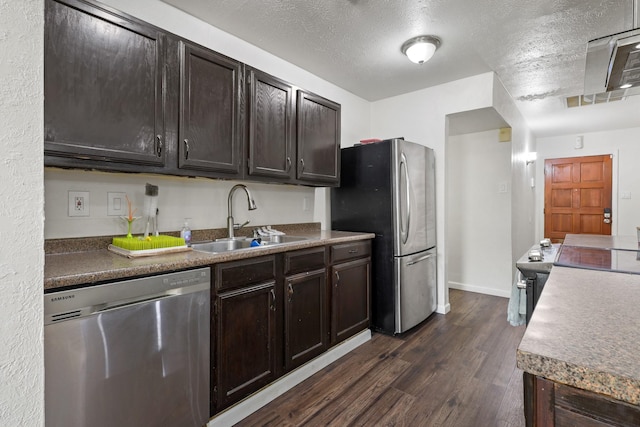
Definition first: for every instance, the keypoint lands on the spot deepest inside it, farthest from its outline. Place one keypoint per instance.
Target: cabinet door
(210, 125)
(318, 139)
(306, 312)
(350, 299)
(270, 126)
(103, 85)
(245, 353)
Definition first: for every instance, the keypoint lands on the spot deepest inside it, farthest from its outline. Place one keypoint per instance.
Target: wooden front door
(577, 194)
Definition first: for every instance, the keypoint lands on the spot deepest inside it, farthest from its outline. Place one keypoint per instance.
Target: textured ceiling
(537, 48)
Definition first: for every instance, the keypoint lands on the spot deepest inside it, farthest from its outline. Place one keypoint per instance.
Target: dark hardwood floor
(456, 370)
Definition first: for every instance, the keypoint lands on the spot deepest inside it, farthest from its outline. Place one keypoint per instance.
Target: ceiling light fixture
(420, 49)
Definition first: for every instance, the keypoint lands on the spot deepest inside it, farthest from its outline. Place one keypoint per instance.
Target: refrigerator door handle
(405, 232)
(422, 258)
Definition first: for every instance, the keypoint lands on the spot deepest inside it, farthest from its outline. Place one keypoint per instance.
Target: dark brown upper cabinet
(318, 139)
(210, 133)
(104, 85)
(122, 95)
(270, 126)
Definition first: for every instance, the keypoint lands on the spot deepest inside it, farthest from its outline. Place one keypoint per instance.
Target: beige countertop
(77, 268)
(585, 332)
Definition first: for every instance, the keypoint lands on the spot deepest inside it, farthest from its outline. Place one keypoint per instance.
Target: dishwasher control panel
(74, 303)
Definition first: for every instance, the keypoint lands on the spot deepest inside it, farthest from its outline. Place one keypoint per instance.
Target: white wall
(522, 195)
(624, 145)
(478, 207)
(421, 116)
(204, 200)
(21, 214)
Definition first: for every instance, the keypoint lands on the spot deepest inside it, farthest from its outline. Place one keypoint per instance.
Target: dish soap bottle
(185, 233)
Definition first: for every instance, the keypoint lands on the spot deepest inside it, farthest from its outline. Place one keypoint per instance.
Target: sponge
(151, 242)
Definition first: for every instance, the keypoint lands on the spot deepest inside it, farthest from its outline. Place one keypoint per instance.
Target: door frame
(540, 182)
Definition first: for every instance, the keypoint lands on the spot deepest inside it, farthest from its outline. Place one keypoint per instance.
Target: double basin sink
(240, 243)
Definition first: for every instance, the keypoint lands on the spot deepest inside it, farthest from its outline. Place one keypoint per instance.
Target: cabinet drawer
(304, 260)
(245, 272)
(349, 251)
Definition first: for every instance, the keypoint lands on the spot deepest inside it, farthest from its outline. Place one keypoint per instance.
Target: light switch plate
(78, 203)
(117, 204)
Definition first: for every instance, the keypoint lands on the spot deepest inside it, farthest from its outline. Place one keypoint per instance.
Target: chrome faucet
(252, 206)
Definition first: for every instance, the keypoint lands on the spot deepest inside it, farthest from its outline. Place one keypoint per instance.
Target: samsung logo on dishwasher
(64, 297)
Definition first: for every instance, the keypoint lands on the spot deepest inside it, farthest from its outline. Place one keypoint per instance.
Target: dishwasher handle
(120, 304)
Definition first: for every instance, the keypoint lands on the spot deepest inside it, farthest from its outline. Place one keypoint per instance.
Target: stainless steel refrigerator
(388, 188)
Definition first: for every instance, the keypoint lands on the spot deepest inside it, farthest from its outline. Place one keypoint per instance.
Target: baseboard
(480, 289)
(256, 401)
(443, 309)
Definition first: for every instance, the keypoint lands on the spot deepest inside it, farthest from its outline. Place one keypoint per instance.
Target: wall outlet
(117, 204)
(78, 203)
(625, 194)
(306, 204)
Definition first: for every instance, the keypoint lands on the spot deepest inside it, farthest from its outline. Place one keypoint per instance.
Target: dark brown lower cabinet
(306, 301)
(245, 354)
(350, 290)
(350, 309)
(305, 317)
(558, 405)
(272, 314)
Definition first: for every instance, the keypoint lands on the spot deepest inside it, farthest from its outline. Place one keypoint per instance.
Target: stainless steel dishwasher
(129, 353)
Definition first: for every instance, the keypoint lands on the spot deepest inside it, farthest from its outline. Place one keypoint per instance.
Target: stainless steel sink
(283, 238)
(226, 245)
(223, 245)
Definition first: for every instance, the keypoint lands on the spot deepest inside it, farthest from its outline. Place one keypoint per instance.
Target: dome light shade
(420, 49)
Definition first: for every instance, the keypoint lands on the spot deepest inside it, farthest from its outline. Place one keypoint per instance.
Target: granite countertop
(584, 332)
(78, 268)
(602, 242)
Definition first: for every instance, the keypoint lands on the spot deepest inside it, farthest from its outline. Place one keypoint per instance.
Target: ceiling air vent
(598, 98)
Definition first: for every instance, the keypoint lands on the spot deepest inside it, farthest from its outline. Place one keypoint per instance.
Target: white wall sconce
(420, 49)
(530, 157)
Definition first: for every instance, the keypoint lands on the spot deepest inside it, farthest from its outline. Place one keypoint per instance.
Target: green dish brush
(151, 242)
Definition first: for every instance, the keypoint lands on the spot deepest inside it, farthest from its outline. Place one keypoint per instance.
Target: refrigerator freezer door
(415, 289)
(413, 202)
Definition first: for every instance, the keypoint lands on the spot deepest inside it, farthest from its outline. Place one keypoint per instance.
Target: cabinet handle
(159, 145)
(288, 164)
(337, 278)
(353, 251)
(273, 300)
(186, 148)
(302, 164)
(290, 292)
